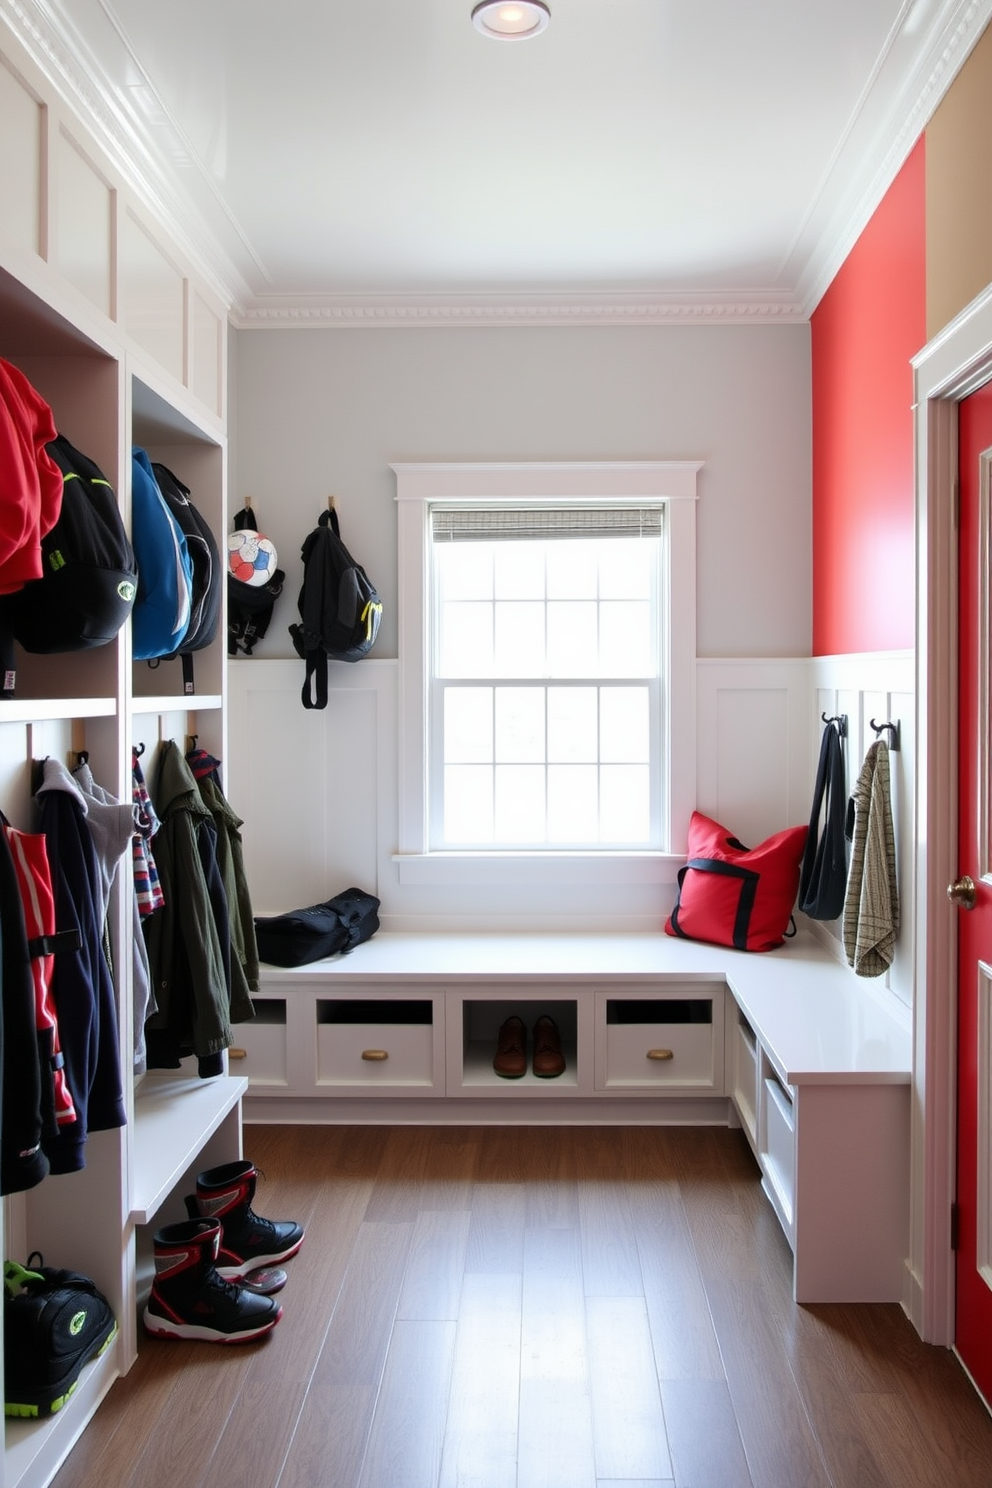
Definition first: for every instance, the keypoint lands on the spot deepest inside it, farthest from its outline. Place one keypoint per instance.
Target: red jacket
(30, 480)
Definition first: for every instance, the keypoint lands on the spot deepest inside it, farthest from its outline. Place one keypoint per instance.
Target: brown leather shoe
(511, 1050)
(548, 1061)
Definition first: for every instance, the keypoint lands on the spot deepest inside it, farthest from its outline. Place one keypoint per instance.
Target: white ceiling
(640, 159)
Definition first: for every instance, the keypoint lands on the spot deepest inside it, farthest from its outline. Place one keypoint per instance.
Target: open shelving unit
(127, 343)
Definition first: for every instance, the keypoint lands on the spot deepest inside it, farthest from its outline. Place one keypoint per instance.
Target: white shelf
(168, 702)
(42, 710)
(478, 1074)
(35, 1450)
(174, 1117)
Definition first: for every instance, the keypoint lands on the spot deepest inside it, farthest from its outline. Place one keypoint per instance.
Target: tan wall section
(959, 191)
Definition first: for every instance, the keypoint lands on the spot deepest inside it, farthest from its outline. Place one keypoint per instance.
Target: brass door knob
(963, 893)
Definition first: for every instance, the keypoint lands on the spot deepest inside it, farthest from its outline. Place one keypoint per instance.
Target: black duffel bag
(320, 930)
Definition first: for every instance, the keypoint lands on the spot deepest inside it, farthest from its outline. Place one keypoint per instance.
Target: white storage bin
(778, 1150)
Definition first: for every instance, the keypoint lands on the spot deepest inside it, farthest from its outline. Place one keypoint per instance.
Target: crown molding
(878, 140)
(828, 237)
(523, 309)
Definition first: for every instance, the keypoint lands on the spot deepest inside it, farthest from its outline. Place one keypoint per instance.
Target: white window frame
(673, 482)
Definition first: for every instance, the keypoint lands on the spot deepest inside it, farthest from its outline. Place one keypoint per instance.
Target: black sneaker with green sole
(54, 1323)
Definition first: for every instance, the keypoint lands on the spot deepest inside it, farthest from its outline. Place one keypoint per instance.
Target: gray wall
(317, 411)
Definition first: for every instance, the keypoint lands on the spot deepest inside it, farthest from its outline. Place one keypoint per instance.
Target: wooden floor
(537, 1308)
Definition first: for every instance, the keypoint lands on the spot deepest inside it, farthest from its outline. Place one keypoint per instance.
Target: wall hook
(893, 731)
(840, 719)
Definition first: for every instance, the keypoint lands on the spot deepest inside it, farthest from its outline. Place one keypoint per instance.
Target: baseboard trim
(454, 1111)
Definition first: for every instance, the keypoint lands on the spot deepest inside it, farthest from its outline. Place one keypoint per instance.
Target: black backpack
(207, 572)
(249, 606)
(90, 577)
(339, 608)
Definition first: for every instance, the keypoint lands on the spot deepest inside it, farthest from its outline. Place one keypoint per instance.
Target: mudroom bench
(813, 1063)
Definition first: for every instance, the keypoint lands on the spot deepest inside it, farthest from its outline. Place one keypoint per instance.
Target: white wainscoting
(879, 686)
(752, 744)
(319, 797)
(316, 788)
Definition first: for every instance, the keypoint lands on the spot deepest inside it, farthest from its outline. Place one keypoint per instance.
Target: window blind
(517, 524)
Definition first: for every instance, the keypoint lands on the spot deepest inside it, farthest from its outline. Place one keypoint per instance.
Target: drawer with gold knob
(661, 1043)
(259, 1049)
(375, 1044)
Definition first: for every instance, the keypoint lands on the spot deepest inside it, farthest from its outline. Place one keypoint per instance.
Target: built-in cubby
(119, 364)
(375, 1039)
(475, 1021)
(815, 1068)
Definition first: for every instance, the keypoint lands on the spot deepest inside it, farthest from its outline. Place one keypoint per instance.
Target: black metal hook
(840, 719)
(137, 750)
(892, 728)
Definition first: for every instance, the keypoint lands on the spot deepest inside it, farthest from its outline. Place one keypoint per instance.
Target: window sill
(537, 868)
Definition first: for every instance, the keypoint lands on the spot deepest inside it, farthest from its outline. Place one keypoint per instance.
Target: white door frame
(950, 367)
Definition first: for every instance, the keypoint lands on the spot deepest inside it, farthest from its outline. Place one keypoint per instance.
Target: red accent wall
(864, 331)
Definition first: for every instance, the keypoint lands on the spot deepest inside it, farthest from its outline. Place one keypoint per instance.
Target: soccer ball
(251, 557)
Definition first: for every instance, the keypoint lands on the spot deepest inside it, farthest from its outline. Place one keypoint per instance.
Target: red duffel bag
(736, 896)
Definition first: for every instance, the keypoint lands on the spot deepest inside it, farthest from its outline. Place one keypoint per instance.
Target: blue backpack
(163, 607)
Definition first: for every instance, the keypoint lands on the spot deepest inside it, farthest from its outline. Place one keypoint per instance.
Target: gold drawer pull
(237, 1053)
(660, 1054)
(375, 1055)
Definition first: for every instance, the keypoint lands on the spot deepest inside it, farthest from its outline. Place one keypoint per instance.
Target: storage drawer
(373, 1045)
(662, 1044)
(259, 1050)
(778, 1149)
(744, 1074)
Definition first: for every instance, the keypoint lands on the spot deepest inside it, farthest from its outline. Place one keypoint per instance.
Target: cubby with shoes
(547, 1061)
(511, 1045)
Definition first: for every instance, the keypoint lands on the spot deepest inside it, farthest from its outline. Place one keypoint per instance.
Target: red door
(973, 1328)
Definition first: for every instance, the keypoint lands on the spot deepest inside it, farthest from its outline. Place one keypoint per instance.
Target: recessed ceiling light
(510, 20)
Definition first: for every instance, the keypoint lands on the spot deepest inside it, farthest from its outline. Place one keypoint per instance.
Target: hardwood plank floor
(541, 1307)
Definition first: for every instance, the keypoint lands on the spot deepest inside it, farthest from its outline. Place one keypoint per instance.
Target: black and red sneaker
(190, 1299)
(249, 1242)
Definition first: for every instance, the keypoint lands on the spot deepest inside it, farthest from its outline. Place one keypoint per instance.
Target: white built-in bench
(814, 1063)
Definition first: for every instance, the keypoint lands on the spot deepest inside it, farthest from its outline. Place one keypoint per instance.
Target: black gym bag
(318, 931)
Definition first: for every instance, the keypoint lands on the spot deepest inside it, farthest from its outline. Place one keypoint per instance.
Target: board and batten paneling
(317, 790)
(752, 733)
(85, 222)
(879, 686)
(22, 117)
(310, 783)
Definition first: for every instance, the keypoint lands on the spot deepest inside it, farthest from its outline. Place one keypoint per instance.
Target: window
(547, 657)
(545, 652)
